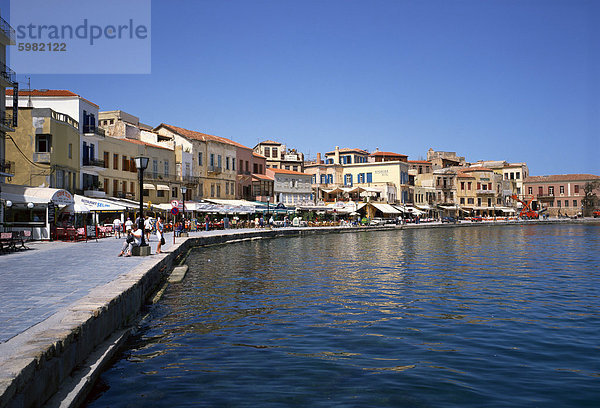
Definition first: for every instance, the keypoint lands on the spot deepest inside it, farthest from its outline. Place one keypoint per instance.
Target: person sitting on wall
(133, 239)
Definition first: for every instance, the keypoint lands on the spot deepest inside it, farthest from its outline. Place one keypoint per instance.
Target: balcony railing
(150, 175)
(6, 120)
(93, 129)
(7, 73)
(42, 157)
(214, 169)
(93, 162)
(480, 191)
(8, 30)
(7, 167)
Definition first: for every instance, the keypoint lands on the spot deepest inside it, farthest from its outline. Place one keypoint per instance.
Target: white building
(291, 187)
(86, 113)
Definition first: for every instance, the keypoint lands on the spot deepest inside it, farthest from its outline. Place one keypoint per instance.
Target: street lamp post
(141, 163)
(183, 191)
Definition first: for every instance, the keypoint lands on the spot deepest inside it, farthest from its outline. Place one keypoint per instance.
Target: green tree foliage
(590, 199)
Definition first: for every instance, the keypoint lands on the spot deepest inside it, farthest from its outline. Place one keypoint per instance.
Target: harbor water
(441, 317)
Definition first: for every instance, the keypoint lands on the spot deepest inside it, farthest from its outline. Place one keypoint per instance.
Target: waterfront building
(45, 149)
(290, 187)
(85, 113)
(560, 194)
(387, 180)
(207, 163)
(252, 182)
(346, 156)
(444, 183)
(479, 191)
(513, 175)
(440, 159)
(120, 177)
(278, 156)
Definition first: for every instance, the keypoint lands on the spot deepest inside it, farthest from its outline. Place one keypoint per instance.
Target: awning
(413, 210)
(385, 208)
(507, 210)
(162, 187)
(21, 199)
(93, 204)
(371, 190)
(424, 207)
(56, 195)
(148, 186)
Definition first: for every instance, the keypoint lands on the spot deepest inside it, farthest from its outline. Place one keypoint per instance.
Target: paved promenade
(37, 283)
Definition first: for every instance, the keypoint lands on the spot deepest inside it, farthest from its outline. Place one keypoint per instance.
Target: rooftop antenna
(29, 103)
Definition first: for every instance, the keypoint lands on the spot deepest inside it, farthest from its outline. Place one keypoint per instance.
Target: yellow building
(479, 190)
(389, 179)
(206, 163)
(120, 176)
(45, 149)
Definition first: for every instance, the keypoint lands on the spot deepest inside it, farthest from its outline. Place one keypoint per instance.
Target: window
(260, 169)
(146, 193)
(478, 185)
(462, 186)
(125, 163)
(116, 161)
(242, 165)
(227, 188)
(576, 189)
(575, 203)
(160, 193)
(199, 158)
(43, 143)
(348, 179)
(274, 152)
(566, 203)
(255, 169)
(287, 167)
(219, 161)
(105, 186)
(233, 163)
(551, 190)
(212, 160)
(558, 203)
(541, 190)
(174, 192)
(115, 187)
(489, 186)
(106, 160)
(70, 150)
(247, 165)
(462, 200)
(562, 189)
(267, 152)
(512, 176)
(132, 167)
(360, 178)
(295, 168)
(212, 190)
(201, 189)
(218, 190)
(469, 185)
(471, 200)
(529, 190)
(518, 175)
(166, 168)
(227, 163)
(132, 187)
(232, 188)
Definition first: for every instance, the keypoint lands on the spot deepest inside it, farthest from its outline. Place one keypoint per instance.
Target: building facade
(278, 156)
(45, 149)
(559, 194)
(85, 114)
(290, 187)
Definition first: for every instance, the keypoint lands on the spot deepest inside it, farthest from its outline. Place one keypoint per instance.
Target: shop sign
(62, 197)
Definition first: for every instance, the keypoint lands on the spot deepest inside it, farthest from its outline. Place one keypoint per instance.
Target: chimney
(319, 158)
(336, 156)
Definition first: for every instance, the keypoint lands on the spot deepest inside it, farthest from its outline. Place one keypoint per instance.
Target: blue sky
(491, 80)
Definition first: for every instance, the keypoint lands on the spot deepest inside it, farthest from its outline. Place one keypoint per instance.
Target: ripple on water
(447, 317)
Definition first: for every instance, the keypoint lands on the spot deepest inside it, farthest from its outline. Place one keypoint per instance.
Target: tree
(590, 199)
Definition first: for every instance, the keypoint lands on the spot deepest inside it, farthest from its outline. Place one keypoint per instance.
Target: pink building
(251, 166)
(560, 194)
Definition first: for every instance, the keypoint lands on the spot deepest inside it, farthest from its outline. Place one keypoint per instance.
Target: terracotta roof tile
(48, 93)
(561, 177)
(261, 176)
(270, 142)
(260, 156)
(191, 134)
(139, 142)
(388, 154)
(348, 150)
(419, 161)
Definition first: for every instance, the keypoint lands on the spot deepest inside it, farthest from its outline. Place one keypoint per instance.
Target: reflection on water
(442, 317)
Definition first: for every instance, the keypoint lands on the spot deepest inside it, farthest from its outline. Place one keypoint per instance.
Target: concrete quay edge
(38, 363)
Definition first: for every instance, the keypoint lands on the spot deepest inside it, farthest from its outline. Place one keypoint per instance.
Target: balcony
(42, 158)
(486, 192)
(6, 123)
(8, 75)
(545, 197)
(8, 31)
(7, 168)
(215, 169)
(94, 132)
(97, 165)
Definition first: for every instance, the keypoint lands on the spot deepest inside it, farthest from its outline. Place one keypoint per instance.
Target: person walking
(159, 234)
(117, 228)
(206, 222)
(148, 227)
(128, 225)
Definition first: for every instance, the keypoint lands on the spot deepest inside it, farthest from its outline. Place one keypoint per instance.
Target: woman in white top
(159, 234)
